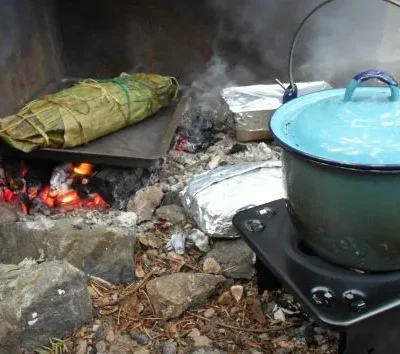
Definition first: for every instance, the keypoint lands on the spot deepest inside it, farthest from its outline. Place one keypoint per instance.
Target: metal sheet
(139, 145)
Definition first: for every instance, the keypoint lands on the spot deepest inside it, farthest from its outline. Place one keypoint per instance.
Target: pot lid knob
(372, 74)
(290, 93)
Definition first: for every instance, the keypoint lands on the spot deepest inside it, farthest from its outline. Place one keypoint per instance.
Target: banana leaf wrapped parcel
(86, 111)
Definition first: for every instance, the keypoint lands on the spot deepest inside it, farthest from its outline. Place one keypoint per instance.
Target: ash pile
(152, 253)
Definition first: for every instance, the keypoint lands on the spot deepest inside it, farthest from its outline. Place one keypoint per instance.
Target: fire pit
(38, 188)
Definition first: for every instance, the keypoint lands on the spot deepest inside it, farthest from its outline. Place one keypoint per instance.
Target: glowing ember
(67, 198)
(8, 195)
(97, 201)
(67, 188)
(84, 169)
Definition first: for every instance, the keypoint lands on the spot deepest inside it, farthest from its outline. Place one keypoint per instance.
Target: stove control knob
(355, 299)
(254, 225)
(322, 296)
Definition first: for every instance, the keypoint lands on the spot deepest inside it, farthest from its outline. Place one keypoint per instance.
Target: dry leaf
(108, 310)
(139, 272)
(237, 292)
(225, 299)
(256, 311)
(132, 306)
(172, 331)
(285, 344)
(176, 262)
(149, 240)
(107, 300)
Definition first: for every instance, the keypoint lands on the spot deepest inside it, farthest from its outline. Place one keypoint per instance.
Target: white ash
(61, 178)
(41, 223)
(80, 217)
(115, 218)
(27, 262)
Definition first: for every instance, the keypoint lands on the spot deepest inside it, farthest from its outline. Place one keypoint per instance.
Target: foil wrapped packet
(249, 108)
(212, 198)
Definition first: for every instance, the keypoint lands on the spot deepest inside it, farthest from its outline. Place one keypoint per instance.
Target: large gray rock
(171, 295)
(235, 257)
(39, 302)
(101, 251)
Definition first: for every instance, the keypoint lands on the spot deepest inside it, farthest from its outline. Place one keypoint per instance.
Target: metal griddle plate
(139, 145)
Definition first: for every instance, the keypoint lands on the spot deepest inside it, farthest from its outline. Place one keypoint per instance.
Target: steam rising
(341, 40)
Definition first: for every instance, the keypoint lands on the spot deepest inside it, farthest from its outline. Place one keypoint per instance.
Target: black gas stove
(364, 308)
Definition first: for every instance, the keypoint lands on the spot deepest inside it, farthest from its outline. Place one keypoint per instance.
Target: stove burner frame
(363, 308)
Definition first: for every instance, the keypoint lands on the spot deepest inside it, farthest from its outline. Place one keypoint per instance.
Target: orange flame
(68, 198)
(83, 169)
(45, 196)
(96, 200)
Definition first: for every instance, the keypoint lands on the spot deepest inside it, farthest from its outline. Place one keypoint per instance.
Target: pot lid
(356, 127)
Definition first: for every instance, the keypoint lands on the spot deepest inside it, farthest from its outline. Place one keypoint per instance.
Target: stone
(225, 299)
(100, 251)
(172, 197)
(122, 344)
(237, 292)
(173, 294)
(81, 346)
(215, 161)
(172, 213)
(211, 266)
(237, 147)
(140, 337)
(169, 348)
(208, 351)
(200, 240)
(145, 201)
(110, 336)
(279, 316)
(8, 213)
(199, 340)
(38, 302)
(235, 257)
(141, 351)
(101, 347)
(209, 313)
(117, 185)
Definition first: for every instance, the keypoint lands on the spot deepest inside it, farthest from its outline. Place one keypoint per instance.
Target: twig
(119, 315)
(228, 269)
(265, 330)
(102, 282)
(98, 292)
(191, 267)
(244, 313)
(138, 286)
(149, 301)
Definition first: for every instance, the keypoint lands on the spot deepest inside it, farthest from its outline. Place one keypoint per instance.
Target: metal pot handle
(291, 91)
(372, 74)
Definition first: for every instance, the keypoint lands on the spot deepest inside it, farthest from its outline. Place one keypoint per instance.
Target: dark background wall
(205, 43)
(29, 50)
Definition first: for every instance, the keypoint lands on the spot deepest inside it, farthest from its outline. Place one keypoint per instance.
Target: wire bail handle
(291, 92)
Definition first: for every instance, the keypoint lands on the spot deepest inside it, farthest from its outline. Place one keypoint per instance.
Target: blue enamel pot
(341, 161)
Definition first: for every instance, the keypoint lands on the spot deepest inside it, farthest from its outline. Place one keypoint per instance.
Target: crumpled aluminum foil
(250, 108)
(212, 198)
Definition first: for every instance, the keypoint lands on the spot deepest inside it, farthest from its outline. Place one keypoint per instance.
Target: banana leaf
(86, 111)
